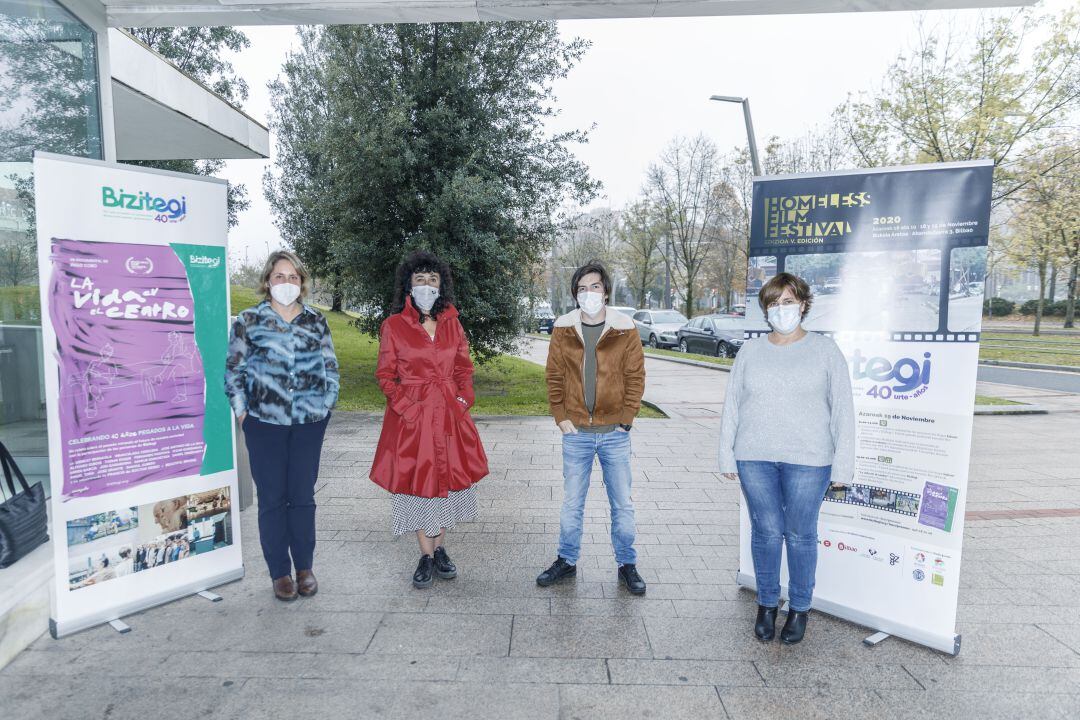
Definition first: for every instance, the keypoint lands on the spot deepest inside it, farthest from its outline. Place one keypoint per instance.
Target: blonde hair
(268, 270)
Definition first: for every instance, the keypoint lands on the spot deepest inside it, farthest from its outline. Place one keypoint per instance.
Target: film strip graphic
(878, 498)
(923, 336)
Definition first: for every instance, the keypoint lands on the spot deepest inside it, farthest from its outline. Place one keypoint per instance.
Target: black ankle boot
(444, 566)
(795, 627)
(422, 577)
(765, 626)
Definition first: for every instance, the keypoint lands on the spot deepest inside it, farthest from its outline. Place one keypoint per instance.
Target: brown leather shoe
(284, 588)
(307, 585)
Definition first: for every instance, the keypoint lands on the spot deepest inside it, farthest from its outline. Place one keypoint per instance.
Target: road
(1041, 379)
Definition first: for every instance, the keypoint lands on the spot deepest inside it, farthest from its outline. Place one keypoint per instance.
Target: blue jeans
(783, 501)
(578, 451)
(285, 465)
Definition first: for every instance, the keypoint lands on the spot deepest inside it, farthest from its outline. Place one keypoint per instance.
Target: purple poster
(131, 376)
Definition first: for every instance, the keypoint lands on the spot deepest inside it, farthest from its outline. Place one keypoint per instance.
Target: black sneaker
(422, 577)
(559, 569)
(444, 566)
(628, 576)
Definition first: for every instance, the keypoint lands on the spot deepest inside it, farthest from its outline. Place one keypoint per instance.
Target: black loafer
(628, 576)
(422, 578)
(794, 628)
(559, 570)
(765, 625)
(444, 566)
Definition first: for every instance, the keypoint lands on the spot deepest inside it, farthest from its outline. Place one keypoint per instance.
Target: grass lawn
(1044, 349)
(505, 386)
(990, 400)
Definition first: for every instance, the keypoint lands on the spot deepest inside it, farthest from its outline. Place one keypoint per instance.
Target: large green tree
(300, 181)
(437, 139)
(201, 52)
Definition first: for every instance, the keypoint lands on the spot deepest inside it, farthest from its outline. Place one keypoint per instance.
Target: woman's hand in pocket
(733, 477)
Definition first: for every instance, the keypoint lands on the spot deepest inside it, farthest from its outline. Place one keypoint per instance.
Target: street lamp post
(745, 102)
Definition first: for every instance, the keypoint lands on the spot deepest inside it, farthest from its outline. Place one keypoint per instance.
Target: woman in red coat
(429, 453)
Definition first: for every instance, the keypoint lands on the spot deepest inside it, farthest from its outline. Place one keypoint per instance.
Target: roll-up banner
(896, 259)
(135, 312)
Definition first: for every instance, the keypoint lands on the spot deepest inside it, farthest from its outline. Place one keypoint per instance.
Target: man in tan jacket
(595, 380)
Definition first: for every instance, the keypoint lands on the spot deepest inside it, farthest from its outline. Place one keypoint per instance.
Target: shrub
(998, 307)
(1030, 307)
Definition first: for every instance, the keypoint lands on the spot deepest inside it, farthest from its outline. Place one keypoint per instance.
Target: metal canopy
(140, 13)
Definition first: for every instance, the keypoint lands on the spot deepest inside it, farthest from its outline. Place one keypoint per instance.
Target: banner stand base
(120, 626)
(207, 595)
(876, 638)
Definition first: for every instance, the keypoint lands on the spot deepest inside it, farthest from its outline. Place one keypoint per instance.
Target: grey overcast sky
(644, 82)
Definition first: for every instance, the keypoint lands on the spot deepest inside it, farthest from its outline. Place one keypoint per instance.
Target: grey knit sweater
(790, 403)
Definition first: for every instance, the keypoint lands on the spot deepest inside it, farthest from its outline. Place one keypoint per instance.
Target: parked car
(624, 309)
(543, 319)
(719, 335)
(659, 328)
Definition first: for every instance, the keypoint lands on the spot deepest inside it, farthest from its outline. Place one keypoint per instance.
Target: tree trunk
(1053, 284)
(689, 300)
(335, 302)
(1070, 303)
(1042, 296)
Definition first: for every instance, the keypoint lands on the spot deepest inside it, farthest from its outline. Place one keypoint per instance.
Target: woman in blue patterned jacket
(281, 376)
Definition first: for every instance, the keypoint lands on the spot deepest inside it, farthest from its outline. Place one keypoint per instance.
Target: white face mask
(424, 297)
(285, 293)
(590, 302)
(785, 318)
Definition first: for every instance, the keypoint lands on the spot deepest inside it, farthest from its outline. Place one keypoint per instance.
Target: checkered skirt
(412, 513)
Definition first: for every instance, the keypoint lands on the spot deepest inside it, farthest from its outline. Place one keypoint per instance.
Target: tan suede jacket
(620, 371)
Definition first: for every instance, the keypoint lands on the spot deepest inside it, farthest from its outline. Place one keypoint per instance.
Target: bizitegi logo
(143, 205)
(203, 261)
(906, 378)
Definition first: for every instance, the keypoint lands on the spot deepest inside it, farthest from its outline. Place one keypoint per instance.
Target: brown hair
(774, 288)
(268, 269)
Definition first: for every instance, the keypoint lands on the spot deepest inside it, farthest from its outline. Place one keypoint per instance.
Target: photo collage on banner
(896, 260)
(135, 307)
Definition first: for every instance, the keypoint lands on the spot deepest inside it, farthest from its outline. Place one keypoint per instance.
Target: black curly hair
(423, 261)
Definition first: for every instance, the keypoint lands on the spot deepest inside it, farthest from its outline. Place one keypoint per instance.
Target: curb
(1010, 410)
(1030, 366)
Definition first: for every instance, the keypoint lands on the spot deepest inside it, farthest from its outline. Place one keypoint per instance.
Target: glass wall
(48, 101)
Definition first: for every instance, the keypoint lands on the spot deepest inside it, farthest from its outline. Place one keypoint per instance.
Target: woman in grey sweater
(788, 432)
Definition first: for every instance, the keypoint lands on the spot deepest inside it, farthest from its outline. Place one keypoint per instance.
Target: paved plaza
(491, 644)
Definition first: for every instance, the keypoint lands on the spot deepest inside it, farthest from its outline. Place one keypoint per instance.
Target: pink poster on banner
(131, 379)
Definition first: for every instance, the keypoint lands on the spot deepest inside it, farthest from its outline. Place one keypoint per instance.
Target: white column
(92, 13)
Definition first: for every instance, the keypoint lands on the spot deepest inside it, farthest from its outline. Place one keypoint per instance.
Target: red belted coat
(429, 445)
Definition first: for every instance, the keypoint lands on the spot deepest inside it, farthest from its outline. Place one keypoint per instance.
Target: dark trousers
(285, 464)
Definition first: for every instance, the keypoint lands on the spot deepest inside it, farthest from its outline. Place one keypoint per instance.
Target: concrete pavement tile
(439, 634)
(983, 705)
(578, 636)
(802, 703)
(824, 674)
(589, 702)
(1025, 645)
(988, 678)
(1068, 634)
(489, 606)
(702, 639)
(533, 670)
(631, 606)
(683, 672)
(119, 698)
(270, 700)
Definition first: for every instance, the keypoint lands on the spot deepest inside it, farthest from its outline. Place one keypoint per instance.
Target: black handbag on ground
(24, 523)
